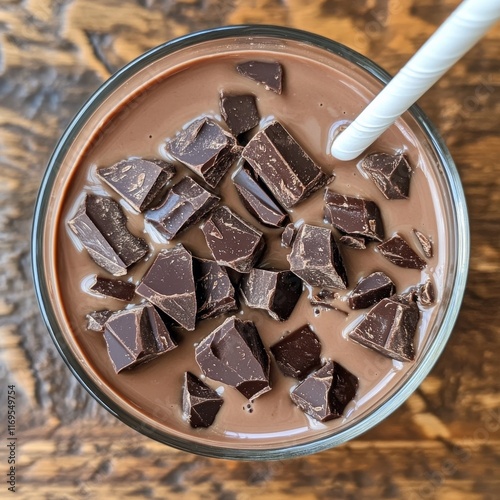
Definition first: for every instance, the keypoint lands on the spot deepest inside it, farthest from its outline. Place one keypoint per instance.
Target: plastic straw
(456, 36)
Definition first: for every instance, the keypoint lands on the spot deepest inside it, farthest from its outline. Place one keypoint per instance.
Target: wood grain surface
(443, 443)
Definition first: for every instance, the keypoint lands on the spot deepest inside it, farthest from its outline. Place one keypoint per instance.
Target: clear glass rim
(462, 243)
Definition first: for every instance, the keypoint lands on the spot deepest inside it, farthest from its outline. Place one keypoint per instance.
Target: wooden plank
(443, 443)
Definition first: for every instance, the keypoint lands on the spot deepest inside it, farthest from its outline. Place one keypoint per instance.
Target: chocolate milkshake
(146, 119)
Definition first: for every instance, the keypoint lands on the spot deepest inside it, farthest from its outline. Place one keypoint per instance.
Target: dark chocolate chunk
(137, 335)
(370, 290)
(200, 403)
(298, 353)
(390, 173)
(325, 393)
(234, 276)
(186, 203)
(257, 201)
(121, 290)
(426, 294)
(215, 293)
(137, 180)
(206, 148)
(275, 291)
(97, 319)
(353, 216)
(239, 112)
(169, 285)
(325, 294)
(288, 235)
(397, 251)
(235, 355)
(270, 74)
(425, 243)
(101, 226)
(232, 241)
(355, 242)
(316, 258)
(286, 169)
(389, 328)
(325, 299)
(408, 296)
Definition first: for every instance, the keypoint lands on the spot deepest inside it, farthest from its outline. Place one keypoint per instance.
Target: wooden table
(443, 443)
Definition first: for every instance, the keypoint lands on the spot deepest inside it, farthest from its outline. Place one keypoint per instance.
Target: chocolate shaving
(323, 298)
(426, 294)
(288, 235)
(425, 243)
(97, 319)
(408, 296)
(355, 242)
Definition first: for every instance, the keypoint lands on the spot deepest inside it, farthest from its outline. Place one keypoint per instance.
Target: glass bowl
(142, 73)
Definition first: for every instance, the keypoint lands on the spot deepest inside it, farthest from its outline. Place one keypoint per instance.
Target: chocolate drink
(316, 99)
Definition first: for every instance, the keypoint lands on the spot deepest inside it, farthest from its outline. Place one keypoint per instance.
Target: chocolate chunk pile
(270, 174)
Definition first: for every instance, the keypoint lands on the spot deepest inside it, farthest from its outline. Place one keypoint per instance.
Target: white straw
(457, 35)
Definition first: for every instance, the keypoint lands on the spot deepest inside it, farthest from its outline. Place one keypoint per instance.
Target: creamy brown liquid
(315, 98)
